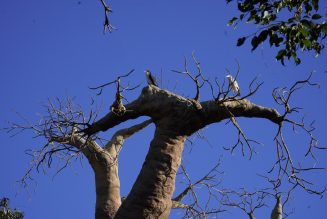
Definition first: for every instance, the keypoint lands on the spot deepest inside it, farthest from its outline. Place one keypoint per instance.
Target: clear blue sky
(57, 48)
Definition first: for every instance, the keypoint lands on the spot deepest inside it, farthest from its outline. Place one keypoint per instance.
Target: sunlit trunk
(107, 188)
(151, 194)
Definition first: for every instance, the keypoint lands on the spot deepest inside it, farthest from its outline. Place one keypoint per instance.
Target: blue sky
(54, 49)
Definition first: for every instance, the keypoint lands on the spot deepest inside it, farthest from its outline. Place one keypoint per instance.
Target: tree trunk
(107, 189)
(176, 118)
(151, 194)
(104, 162)
(277, 212)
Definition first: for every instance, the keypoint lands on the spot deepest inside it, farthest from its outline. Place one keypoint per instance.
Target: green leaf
(307, 43)
(290, 20)
(241, 7)
(296, 59)
(274, 28)
(306, 23)
(304, 32)
(308, 8)
(281, 54)
(263, 36)
(240, 41)
(278, 41)
(251, 18)
(315, 4)
(254, 42)
(273, 39)
(324, 28)
(316, 16)
(231, 21)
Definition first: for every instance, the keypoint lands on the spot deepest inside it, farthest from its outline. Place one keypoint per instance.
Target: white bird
(234, 85)
(150, 78)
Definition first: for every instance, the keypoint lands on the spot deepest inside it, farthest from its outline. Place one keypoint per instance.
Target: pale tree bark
(175, 118)
(151, 194)
(277, 212)
(69, 133)
(251, 215)
(104, 162)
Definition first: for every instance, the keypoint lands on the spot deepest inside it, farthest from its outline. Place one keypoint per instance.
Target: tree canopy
(288, 25)
(8, 213)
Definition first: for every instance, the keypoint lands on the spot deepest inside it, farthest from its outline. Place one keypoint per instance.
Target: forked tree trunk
(176, 118)
(105, 166)
(104, 162)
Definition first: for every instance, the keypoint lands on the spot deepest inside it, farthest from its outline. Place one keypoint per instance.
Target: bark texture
(151, 194)
(175, 118)
(160, 104)
(104, 162)
(277, 212)
(107, 187)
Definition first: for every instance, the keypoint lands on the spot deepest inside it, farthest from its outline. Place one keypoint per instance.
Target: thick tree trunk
(151, 194)
(277, 212)
(176, 118)
(105, 166)
(107, 189)
(103, 162)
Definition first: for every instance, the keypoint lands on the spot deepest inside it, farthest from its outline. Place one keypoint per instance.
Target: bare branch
(239, 141)
(194, 209)
(111, 82)
(198, 78)
(107, 24)
(248, 202)
(284, 164)
(117, 106)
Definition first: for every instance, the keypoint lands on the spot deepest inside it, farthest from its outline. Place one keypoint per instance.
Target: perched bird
(150, 78)
(234, 85)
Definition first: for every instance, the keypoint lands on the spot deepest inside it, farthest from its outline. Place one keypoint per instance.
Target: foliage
(302, 27)
(7, 213)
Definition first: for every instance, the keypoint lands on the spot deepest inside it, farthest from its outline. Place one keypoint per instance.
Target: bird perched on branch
(150, 78)
(234, 85)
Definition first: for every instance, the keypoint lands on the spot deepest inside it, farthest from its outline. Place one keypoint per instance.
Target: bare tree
(71, 133)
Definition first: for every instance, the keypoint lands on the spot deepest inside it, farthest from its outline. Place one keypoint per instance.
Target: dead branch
(284, 164)
(248, 202)
(194, 209)
(117, 107)
(198, 79)
(100, 87)
(239, 140)
(107, 11)
(59, 128)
